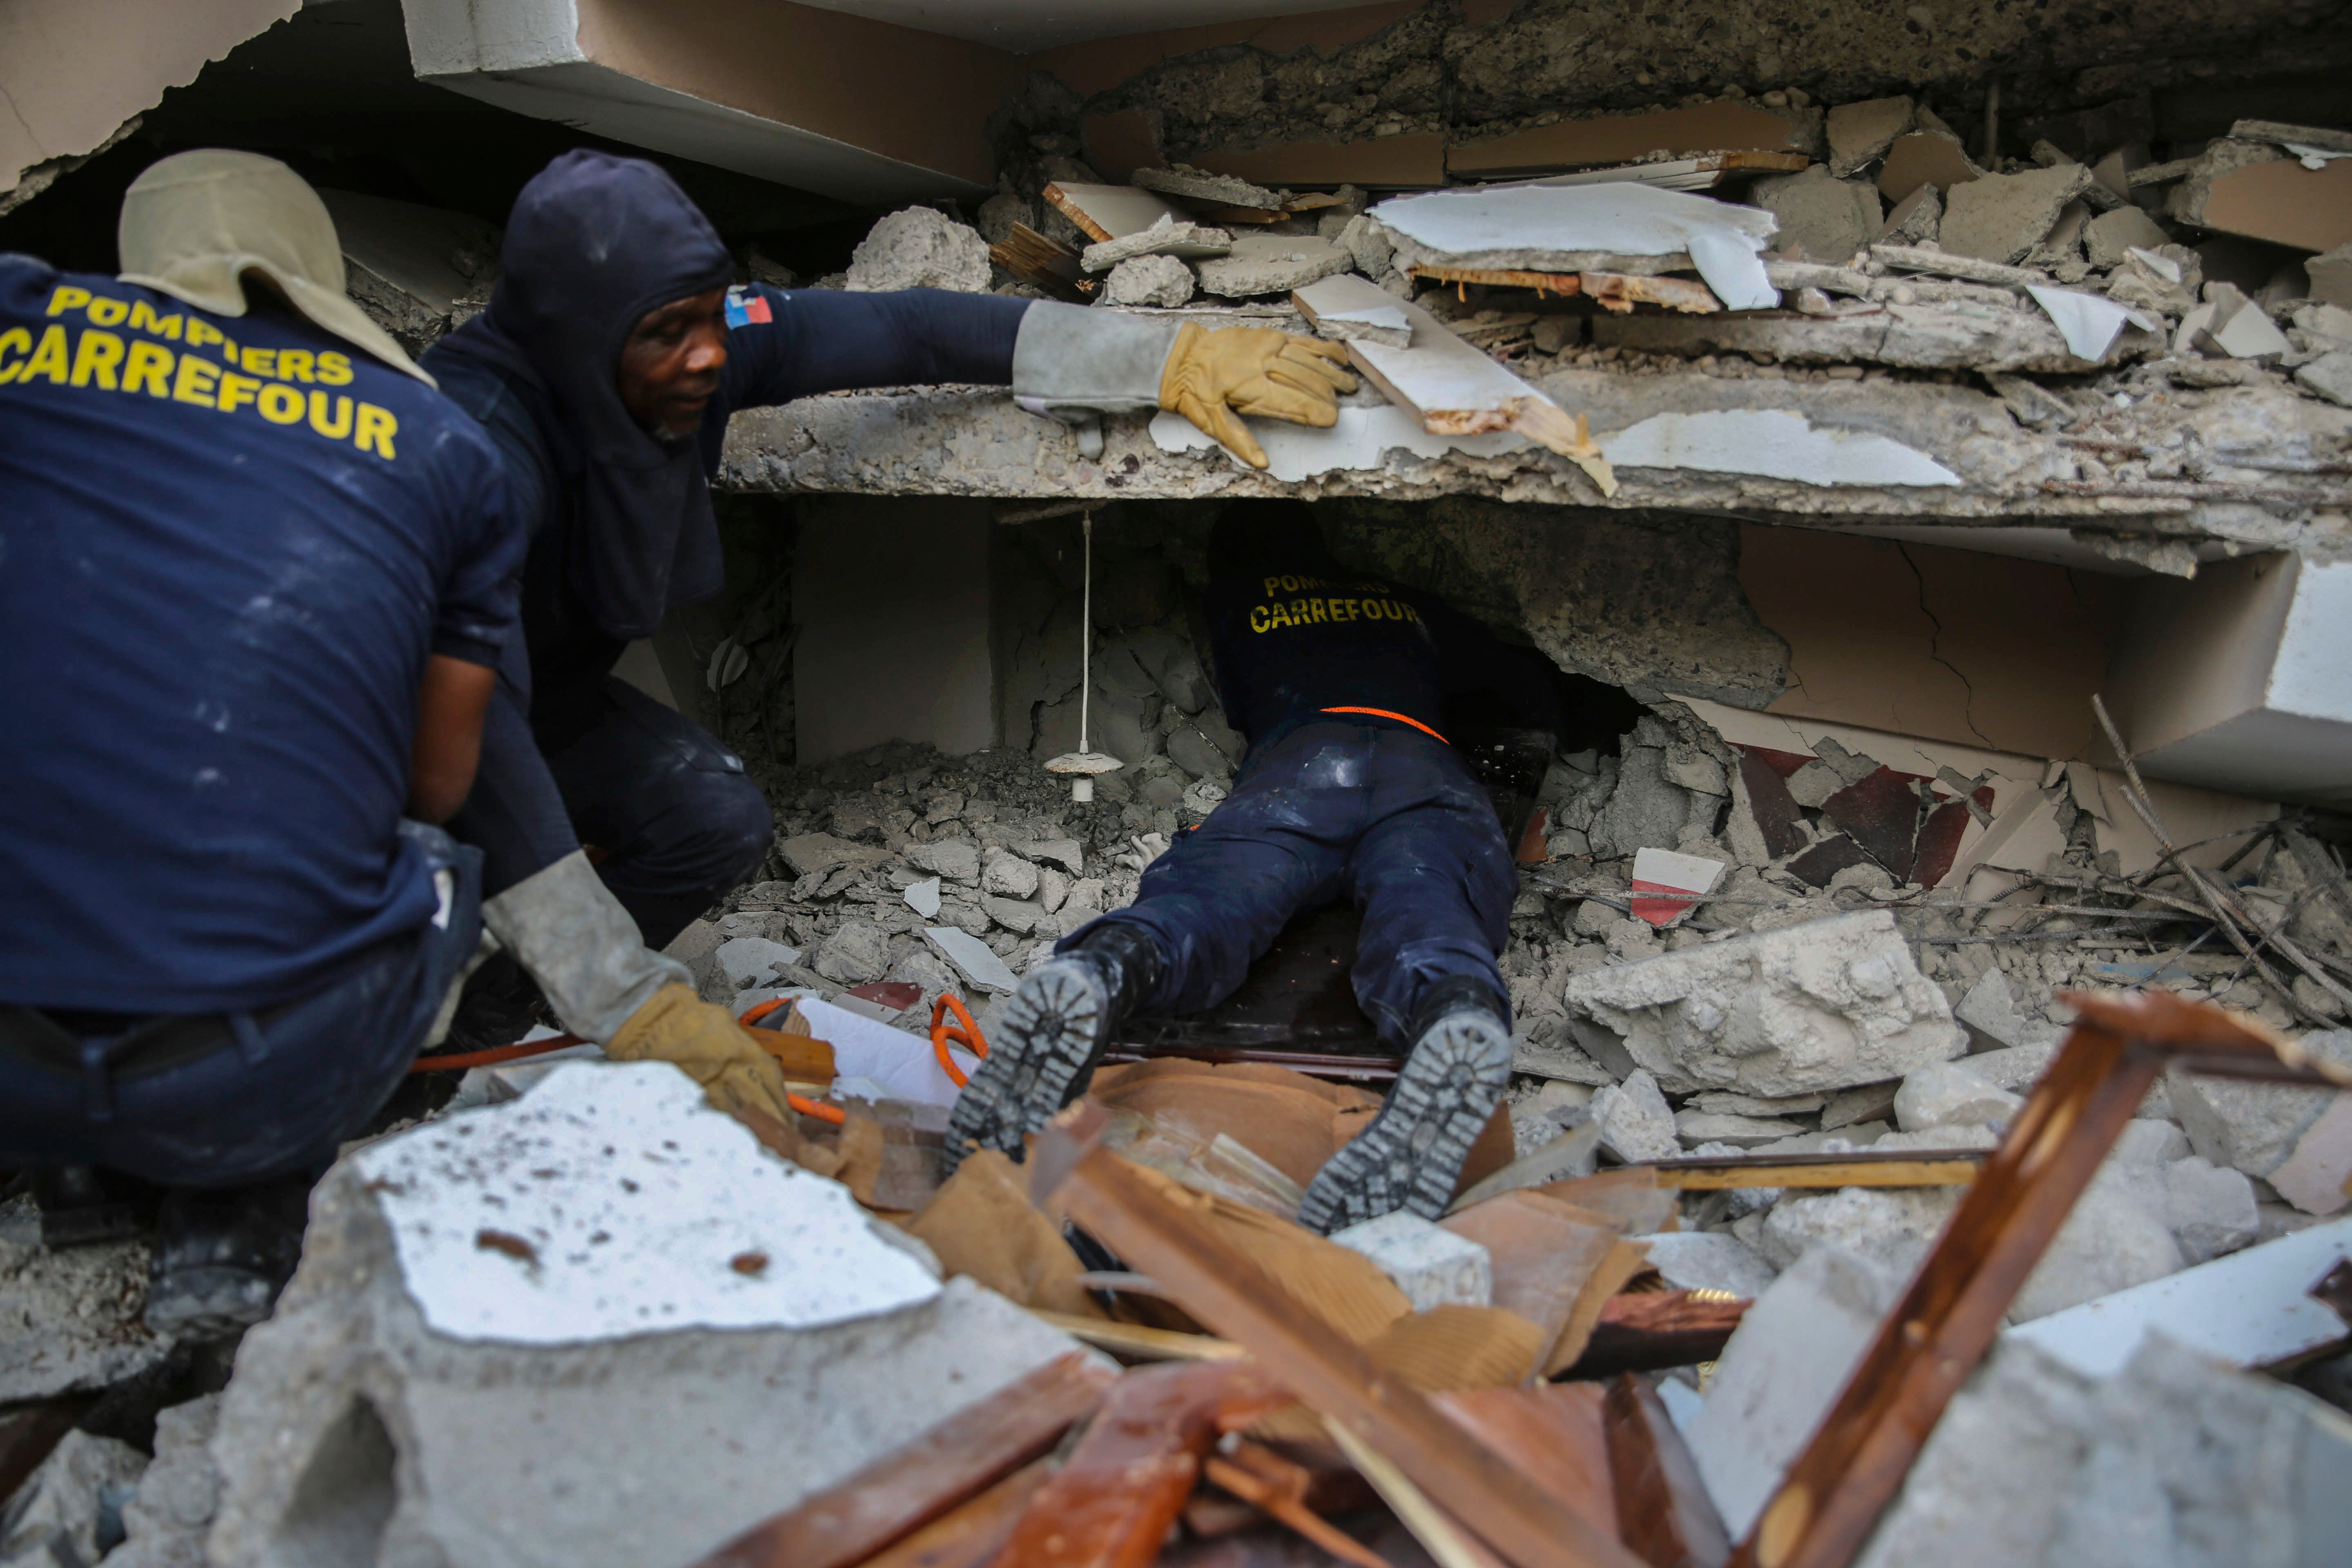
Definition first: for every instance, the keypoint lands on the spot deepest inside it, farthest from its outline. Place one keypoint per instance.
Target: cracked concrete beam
(974, 442)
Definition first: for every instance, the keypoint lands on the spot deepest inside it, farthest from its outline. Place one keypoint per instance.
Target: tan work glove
(704, 1041)
(1211, 376)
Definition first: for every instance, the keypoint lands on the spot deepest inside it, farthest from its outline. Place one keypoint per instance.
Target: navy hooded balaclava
(593, 243)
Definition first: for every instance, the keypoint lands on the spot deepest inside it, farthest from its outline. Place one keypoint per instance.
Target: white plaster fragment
(973, 956)
(1360, 441)
(1775, 444)
(586, 1211)
(2089, 322)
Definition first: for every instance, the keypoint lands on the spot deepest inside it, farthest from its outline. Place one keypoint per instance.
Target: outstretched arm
(788, 344)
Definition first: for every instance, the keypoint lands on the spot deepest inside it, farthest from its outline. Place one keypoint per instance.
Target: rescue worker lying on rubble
(1348, 790)
(254, 577)
(612, 355)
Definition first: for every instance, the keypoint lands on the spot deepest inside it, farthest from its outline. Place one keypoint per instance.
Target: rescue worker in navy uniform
(255, 576)
(1348, 790)
(613, 354)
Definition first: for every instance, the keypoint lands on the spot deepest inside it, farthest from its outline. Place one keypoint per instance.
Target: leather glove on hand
(1211, 377)
(704, 1041)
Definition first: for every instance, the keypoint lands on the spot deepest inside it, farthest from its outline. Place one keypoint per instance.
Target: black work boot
(1045, 1040)
(1411, 1157)
(221, 1258)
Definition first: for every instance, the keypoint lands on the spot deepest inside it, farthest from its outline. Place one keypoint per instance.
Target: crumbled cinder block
(1432, 1266)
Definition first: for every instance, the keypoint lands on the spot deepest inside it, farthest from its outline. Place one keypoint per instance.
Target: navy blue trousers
(298, 1081)
(1386, 819)
(676, 820)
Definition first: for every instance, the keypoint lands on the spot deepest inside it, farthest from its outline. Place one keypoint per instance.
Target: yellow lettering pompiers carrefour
(1324, 611)
(250, 378)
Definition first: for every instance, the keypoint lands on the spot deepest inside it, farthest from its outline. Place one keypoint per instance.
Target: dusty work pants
(1386, 817)
(675, 822)
(236, 1100)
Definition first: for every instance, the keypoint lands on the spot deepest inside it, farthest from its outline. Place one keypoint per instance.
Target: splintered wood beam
(1931, 1342)
(1620, 292)
(1111, 1503)
(1560, 283)
(1663, 1511)
(1040, 260)
(1651, 1331)
(1220, 1287)
(920, 1481)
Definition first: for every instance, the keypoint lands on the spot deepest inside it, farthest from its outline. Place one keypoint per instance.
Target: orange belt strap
(1384, 713)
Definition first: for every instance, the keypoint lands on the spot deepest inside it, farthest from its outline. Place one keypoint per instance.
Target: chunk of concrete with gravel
(2255, 1126)
(1636, 1126)
(1949, 1094)
(920, 248)
(356, 1430)
(1432, 1266)
(1272, 264)
(1822, 1005)
(72, 1322)
(1162, 280)
(169, 1516)
(68, 1510)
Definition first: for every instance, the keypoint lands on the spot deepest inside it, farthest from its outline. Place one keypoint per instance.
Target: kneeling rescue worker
(255, 576)
(1348, 790)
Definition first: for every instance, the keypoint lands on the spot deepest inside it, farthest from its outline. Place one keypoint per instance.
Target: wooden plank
(972, 1536)
(1651, 1330)
(1956, 1171)
(921, 1480)
(1663, 1509)
(1223, 1287)
(1140, 1343)
(1927, 1348)
(1113, 212)
(1111, 1503)
(1621, 291)
(1553, 1432)
(1284, 1497)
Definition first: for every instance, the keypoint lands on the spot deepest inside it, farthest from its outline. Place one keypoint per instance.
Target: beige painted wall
(891, 600)
(1949, 644)
(71, 71)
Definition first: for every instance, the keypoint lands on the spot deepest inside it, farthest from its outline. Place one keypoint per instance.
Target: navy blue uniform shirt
(1289, 646)
(226, 546)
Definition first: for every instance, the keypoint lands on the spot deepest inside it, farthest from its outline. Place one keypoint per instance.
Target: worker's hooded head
(199, 226)
(593, 243)
(1269, 537)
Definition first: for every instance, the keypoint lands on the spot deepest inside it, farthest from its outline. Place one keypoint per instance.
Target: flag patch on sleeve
(743, 307)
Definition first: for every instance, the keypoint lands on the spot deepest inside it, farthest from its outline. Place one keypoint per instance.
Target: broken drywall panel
(1775, 444)
(73, 72)
(2276, 199)
(1414, 160)
(580, 1213)
(1114, 212)
(1615, 227)
(1361, 439)
(1720, 127)
(1924, 158)
(1674, 877)
(2250, 1308)
(814, 98)
(2237, 679)
(1341, 311)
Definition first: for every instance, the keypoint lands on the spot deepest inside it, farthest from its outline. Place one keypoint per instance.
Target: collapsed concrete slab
(1827, 1005)
(606, 1259)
